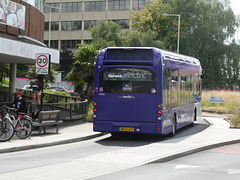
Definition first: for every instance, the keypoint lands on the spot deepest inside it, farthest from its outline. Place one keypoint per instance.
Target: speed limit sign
(42, 63)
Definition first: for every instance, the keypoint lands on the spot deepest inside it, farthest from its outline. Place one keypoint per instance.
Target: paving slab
(217, 134)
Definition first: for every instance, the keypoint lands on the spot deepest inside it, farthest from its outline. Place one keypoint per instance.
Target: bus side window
(166, 89)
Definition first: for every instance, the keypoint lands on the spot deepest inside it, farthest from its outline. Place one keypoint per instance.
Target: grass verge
(231, 104)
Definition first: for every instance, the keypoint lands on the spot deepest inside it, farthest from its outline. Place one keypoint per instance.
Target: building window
(71, 25)
(95, 6)
(139, 4)
(53, 43)
(123, 23)
(54, 26)
(54, 7)
(71, 6)
(90, 24)
(88, 41)
(46, 26)
(73, 44)
(118, 4)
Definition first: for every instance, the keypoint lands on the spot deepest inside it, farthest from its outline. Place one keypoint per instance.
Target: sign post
(217, 99)
(42, 68)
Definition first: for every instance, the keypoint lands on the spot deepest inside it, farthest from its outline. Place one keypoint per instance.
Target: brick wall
(34, 24)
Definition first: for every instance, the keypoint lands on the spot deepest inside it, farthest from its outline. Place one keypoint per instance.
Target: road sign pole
(41, 78)
(43, 67)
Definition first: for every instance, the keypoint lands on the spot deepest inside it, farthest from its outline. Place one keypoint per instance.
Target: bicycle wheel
(23, 128)
(6, 131)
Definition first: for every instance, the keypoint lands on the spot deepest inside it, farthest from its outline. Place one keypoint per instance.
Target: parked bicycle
(22, 124)
(6, 127)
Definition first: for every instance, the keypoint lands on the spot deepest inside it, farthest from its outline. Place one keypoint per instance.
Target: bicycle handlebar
(7, 109)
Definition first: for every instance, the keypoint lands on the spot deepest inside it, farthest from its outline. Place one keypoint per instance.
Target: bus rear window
(130, 54)
(127, 80)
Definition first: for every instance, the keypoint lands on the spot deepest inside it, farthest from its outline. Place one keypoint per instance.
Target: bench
(48, 118)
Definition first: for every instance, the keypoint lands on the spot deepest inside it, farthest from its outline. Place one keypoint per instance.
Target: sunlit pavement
(217, 134)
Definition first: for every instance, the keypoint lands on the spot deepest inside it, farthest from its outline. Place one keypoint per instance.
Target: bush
(90, 112)
(57, 92)
(5, 82)
(235, 120)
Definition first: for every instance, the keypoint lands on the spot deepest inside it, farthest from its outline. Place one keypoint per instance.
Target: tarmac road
(104, 155)
(218, 163)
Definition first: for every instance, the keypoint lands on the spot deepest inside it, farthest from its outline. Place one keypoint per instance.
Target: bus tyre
(115, 135)
(194, 118)
(173, 126)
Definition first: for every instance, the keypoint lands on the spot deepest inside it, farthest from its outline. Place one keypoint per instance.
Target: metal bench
(48, 118)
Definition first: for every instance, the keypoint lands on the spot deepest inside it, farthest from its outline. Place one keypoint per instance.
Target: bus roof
(179, 57)
(167, 55)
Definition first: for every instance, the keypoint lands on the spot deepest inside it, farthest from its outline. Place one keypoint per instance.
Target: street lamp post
(50, 26)
(177, 15)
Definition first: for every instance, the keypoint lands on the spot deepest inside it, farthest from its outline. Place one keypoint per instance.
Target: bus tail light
(95, 109)
(159, 111)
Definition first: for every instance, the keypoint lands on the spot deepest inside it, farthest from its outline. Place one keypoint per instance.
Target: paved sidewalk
(217, 134)
(66, 135)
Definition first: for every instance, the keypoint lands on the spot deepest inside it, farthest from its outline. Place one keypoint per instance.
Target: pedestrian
(34, 106)
(20, 103)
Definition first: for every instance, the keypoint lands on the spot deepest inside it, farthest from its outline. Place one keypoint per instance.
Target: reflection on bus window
(127, 80)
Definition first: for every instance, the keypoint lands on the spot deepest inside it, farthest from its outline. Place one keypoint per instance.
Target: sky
(235, 6)
(236, 9)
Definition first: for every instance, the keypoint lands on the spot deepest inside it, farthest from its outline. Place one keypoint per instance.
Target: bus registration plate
(126, 129)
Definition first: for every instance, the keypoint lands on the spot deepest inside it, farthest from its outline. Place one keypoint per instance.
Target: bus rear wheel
(194, 118)
(173, 126)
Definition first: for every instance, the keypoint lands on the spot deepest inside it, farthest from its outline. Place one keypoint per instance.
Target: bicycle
(22, 125)
(7, 129)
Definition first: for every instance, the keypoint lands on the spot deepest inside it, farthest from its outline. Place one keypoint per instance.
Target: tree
(231, 65)
(83, 70)
(106, 34)
(210, 23)
(205, 27)
(152, 17)
(49, 78)
(22, 70)
(4, 68)
(141, 39)
(66, 60)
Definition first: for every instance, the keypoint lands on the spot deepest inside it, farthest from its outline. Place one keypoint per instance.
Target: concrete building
(21, 36)
(71, 19)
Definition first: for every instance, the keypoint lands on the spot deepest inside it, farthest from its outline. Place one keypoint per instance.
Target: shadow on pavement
(135, 140)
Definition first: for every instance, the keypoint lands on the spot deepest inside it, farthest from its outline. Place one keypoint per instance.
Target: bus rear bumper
(125, 127)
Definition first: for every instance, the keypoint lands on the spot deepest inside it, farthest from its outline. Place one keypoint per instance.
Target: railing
(71, 107)
(51, 98)
(75, 110)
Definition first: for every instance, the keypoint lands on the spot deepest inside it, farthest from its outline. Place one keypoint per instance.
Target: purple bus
(145, 90)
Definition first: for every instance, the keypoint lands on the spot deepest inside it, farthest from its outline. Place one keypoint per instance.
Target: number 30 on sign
(42, 63)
